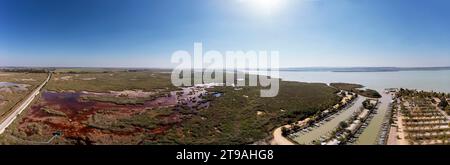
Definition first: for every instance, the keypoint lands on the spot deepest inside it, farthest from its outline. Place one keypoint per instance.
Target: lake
(438, 80)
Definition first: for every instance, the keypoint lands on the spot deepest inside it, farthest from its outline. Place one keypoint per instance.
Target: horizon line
(291, 67)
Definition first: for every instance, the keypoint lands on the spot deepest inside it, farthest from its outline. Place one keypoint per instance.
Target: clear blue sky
(144, 33)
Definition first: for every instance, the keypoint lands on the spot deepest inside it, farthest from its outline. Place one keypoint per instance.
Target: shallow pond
(7, 84)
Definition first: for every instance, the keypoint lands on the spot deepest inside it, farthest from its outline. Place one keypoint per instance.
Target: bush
(54, 112)
(368, 105)
(343, 125)
(444, 103)
(284, 131)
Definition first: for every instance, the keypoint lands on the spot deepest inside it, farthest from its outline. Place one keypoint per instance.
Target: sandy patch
(28, 79)
(279, 139)
(401, 131)
(133, 94)
(125, 93)
(5, 90)
(259, 113)
(4, 74)
(88, 79)
(66, 77)
(392, 138)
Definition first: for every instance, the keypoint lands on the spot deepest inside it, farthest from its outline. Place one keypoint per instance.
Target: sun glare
(267, 7)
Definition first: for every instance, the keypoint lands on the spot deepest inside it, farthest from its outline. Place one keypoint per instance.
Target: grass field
(236, 117)
(9, 98)
(109, 81)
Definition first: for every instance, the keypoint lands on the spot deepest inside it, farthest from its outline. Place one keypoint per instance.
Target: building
(363, 115)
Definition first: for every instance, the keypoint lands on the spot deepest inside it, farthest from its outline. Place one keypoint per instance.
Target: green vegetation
(285, 131)
(110, 81)
(150, 119)
(83, 70)
(369, 93)
(368, 105)
(343, 125)
(346, 86)
(356, 89)
(25, 70)
(444, 103)
(233, 119)
(53, 112)
(9, 98)
(14, 135)
(238, 116)
(116, 100)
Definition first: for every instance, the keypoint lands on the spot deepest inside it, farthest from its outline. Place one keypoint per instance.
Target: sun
(267, 7)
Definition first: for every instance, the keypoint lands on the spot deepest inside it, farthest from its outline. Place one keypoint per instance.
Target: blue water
(438, 80)
(7, 84)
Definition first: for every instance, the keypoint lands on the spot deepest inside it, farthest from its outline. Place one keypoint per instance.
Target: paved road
(279, 139)
(23, 105)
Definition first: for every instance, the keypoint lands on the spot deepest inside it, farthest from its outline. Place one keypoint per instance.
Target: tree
(284, 131)
(295, 127)
(444, 103)
(343, 124)
(368, 105)
(342, 139)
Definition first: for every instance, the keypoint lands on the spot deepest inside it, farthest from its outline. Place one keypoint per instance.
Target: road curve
(279, 139)
(23, 105)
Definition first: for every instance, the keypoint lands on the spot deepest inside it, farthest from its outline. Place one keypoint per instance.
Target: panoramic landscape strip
(141, 106)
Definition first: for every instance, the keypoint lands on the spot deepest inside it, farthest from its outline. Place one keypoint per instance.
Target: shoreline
(417, 80)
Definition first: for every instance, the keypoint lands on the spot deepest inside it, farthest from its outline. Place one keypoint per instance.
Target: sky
(145, 33)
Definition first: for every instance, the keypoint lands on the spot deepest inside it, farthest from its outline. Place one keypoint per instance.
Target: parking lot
(321, 129)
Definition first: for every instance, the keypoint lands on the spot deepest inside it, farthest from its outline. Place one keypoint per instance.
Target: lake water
(7, 84)
(438, 80)
(421, 80)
